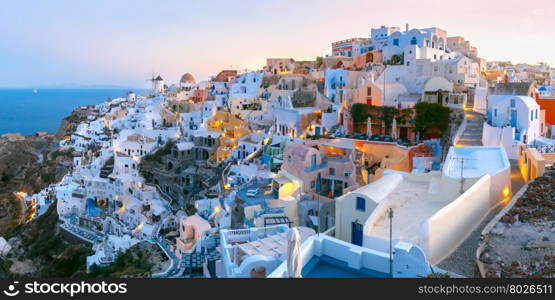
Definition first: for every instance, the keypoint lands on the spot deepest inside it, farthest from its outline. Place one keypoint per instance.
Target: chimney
(407, 27)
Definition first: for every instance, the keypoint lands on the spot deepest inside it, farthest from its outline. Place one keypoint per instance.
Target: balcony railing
(544, 148)
(323, 164)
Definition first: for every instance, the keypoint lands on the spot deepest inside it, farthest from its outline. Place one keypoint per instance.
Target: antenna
(462, 160)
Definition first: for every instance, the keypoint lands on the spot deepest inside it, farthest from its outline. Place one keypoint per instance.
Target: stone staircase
(472, 135)
(108, 168)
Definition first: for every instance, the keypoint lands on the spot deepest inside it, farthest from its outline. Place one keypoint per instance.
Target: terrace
(255, 252)
(411, 204)
(262, 198)
(323, 256)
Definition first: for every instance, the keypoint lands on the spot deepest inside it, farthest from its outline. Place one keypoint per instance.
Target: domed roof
(187, 78)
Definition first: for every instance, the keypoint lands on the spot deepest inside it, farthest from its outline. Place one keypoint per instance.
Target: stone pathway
(463, 260)
(472, 135)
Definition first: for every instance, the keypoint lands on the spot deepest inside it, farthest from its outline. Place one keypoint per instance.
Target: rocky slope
(29, 165)
(522, 244)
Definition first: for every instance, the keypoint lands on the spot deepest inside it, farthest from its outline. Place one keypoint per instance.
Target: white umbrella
(294, 263)
(394, 129)
(369, 127)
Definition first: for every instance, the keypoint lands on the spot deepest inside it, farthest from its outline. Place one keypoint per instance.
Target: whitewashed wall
(442, 233)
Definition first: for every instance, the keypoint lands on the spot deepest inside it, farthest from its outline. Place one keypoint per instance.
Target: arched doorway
(258, 272)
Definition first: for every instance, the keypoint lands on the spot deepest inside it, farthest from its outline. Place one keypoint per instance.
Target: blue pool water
(328, 267)
(92, 210)
(23, 111)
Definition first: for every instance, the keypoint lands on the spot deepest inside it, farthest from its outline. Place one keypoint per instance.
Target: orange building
(548, 104)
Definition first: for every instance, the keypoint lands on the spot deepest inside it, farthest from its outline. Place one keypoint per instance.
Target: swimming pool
(92, 210)
(328, 267)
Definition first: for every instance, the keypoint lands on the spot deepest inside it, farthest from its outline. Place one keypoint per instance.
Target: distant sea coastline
(27, 111)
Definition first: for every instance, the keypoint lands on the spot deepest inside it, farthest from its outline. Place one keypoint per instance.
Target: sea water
(27, 111)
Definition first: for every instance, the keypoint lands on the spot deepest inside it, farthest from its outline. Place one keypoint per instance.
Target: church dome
(187, 78)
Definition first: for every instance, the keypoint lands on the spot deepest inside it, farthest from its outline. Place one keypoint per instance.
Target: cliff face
(69, 124)
(28, 166)
(24, 166)
(39, 251)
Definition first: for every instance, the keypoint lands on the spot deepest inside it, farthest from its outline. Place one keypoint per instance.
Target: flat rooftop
(477, 161)
(411, 206)
(273, 245)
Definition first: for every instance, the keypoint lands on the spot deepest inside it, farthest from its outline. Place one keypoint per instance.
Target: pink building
(323, 166)
(191, 229)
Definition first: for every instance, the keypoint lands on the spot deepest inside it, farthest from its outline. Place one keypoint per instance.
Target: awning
(342, 144)
(314, 220)
(282, 179)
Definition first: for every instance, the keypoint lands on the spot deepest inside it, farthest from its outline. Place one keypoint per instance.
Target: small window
(332, 171)
(361, 204)
(312, 184)
(512, 102)
(532, 116)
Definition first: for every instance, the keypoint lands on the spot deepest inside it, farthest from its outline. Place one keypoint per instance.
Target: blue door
(356, 233)
(513, 117)
(317, 131)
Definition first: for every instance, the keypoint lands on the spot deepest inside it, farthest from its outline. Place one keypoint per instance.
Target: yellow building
(532, 163)
(231, 128)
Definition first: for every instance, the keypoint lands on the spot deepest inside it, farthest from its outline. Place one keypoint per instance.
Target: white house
(512, 120)
(354, 208)
(249, 144)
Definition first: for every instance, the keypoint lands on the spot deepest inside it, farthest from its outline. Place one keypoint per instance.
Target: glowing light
(227, 186)
(506, 191)
(135, 158)
(21, 195)
(217, 209)
(138, 228)
(122, 209)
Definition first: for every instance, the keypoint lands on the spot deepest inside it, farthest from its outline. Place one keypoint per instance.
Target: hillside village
(386, 156)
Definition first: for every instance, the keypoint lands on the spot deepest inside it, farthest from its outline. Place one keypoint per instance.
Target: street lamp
(390, 216)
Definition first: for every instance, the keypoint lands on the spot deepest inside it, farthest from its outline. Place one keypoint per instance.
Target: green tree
(319, 61)
(190, 209)
(359, 112)
(431, 115)
(387, 113)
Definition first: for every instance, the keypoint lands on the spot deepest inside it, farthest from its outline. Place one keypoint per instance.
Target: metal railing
(543, 148)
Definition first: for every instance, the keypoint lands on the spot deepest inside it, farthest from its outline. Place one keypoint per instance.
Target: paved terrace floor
(411, 206)
(472, 135)
(462, 260)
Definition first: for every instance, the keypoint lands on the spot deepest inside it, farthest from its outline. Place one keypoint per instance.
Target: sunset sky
(121, 42)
